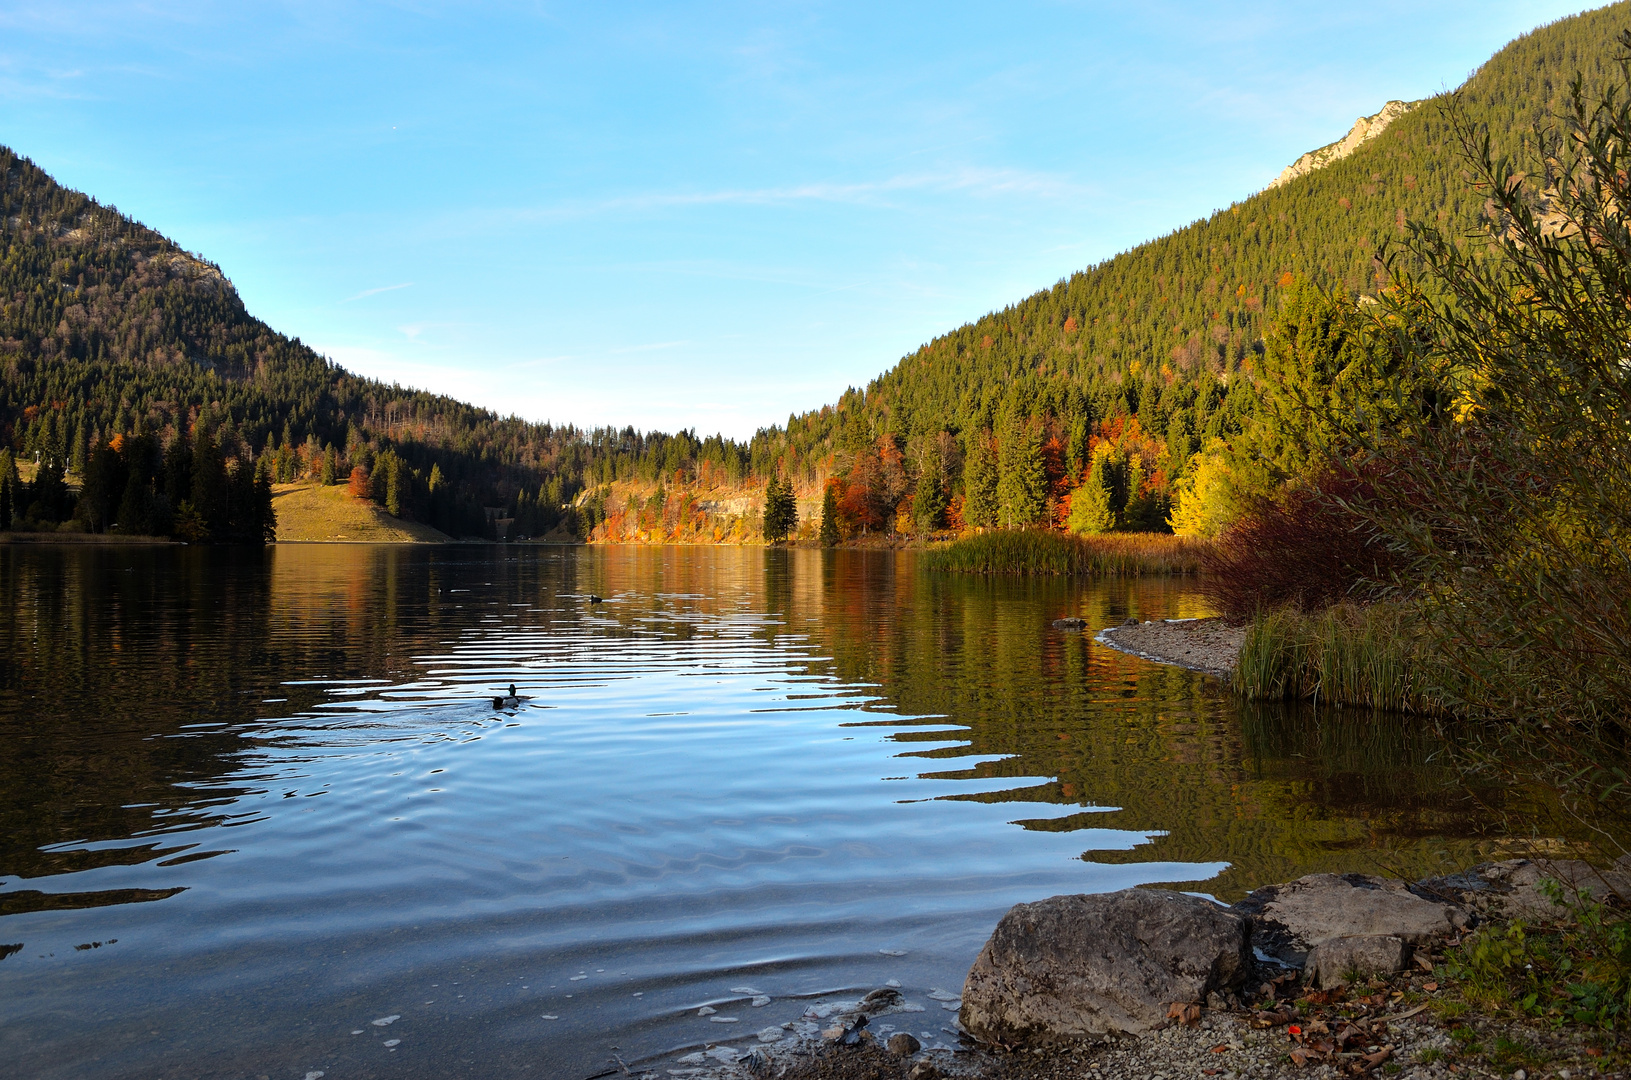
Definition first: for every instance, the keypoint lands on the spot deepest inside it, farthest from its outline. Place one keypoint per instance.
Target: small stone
(550, 1016)
(761, 1001)
(924, 1070)
(386, 1021)
(903, 1044)
(578, 978)
(834, 1033)
(722, 1020)
(393, 1042)
(893, 983)
(1520, 1075)
(707, 1010)
(769, 1034)
(357, 1032)
(943, 995)
(1331, 962)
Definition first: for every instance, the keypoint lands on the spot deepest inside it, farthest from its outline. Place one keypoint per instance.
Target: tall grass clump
(1344, 655)
(1036, 551)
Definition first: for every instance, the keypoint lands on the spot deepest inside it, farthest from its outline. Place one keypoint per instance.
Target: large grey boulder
(1074, 967)
(1512, 889)
(1290, 920)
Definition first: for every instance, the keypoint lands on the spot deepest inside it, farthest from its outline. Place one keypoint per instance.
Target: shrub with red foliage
(1307, 551)
(358, 486)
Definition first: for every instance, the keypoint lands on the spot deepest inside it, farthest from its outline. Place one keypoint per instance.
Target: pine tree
(331, 462)
(830, 531)
(780, 510)
(979, 482)
(1090, 512)
(1023, 485)
(209, 494)
(8, 488)
(929, 501)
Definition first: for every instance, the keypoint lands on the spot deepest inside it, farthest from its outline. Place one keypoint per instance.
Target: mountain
(1118, 374)
(108, 328)
(1166, 334)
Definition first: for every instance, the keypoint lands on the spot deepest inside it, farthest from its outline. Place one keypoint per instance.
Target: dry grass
(1035, 551)
(312, 512)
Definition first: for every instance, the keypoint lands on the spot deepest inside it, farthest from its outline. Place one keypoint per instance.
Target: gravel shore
(1208, 645)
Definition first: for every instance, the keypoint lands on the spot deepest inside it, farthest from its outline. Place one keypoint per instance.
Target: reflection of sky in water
(771, 769)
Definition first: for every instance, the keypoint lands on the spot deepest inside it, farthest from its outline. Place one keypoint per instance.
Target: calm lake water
(251, 802)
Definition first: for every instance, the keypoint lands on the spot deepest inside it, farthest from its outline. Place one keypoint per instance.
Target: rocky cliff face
(1364, 130)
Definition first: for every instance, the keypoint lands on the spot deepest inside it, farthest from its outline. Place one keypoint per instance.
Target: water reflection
(281, 772)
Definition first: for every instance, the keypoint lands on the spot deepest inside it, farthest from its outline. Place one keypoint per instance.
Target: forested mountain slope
(1164, 332)
(108, 328)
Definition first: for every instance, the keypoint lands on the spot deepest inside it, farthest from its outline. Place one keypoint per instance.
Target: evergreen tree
(1023, 483)
(1090, 512)
(8, 488)
(331, 461)
(209, 493)
(104, 482)
(780, 510)
(979, 481)
(929, 501)
(178, 471)
(830, 532)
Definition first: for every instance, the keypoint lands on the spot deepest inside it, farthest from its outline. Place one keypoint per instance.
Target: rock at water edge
(1073, 967)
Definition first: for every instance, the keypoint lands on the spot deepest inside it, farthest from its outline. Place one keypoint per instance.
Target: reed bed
(1037, 551)
(1346, 655)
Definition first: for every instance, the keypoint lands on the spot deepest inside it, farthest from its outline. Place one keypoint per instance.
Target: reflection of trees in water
(131, 699)
(110, 655)
(1276, 791)
(130, 673)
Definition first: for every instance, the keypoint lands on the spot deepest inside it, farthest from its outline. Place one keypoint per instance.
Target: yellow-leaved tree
(1202, 499)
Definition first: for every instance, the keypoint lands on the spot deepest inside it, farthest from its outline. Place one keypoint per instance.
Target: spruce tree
(929, 501)
(8, 488)
(830, 531)
(780, 510)
(209, 493)
(1023, 484)
(979, 482)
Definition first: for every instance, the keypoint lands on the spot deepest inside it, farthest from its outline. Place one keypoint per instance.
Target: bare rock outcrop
(1364, 130)
(1074, 967)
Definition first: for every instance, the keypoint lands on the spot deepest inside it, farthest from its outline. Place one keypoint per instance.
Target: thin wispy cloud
(979, 182)
(376, 292)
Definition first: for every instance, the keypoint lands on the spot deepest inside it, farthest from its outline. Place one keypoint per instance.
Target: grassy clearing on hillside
(315, 512)
(1033, 551)
(1344, 655)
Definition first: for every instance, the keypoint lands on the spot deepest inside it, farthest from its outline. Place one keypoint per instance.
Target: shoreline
(1208, 645)
(1287, 1013)
(110, 539)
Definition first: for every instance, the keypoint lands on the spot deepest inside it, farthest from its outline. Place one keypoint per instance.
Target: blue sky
(698, 215)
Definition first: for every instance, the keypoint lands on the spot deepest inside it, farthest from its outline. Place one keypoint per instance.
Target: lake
(253, 801)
